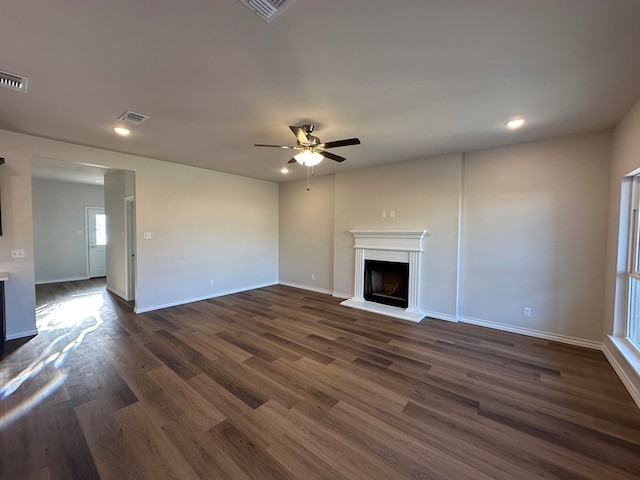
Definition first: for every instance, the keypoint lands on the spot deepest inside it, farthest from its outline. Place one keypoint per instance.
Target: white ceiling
(64, 171)
(410, 78)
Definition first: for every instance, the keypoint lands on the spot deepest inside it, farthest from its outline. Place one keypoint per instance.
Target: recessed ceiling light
(515, 123)
(122, 131)
(284, 170)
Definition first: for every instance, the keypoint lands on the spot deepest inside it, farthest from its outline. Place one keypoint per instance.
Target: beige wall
(625, 161)
(424, 194)
(60, 253)
(17, 232)
(306, 234)
(205, 225)
(512, 227)
(534, 223)
(117, 186)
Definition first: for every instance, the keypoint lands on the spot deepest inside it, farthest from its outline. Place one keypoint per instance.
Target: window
(633, 312)
(101, 229)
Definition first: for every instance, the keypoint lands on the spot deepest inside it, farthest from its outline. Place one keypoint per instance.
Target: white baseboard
(17, 335)
(344, 296)
(117, 292)
(630, 385)
(61, 280)
(151, 308)
(441, 316)
(580, 342)
(306, 287)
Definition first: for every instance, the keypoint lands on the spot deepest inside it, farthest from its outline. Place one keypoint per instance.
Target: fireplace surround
(394, 246)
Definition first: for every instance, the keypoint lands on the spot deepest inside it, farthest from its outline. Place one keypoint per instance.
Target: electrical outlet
(313, 276)
(212, 281)
(146, 235)
(526, 311)
(392, 213)
(17, 253)
(384, 214)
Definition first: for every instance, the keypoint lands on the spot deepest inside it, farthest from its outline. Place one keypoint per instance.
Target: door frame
(131, 260)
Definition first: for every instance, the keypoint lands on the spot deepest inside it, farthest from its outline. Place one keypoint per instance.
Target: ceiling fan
(312, 150)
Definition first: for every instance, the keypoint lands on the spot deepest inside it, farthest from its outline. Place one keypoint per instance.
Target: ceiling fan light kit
(312, 149)
(308, 158)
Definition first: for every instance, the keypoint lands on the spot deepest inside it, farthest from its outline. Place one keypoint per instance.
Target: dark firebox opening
(386, 282)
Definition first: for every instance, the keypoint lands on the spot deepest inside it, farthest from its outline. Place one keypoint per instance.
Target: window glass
(633, 307)
(101, 229)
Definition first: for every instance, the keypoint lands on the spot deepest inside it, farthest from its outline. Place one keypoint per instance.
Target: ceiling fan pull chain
(308, 170)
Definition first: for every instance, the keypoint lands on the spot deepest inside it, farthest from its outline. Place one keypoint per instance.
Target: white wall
(424, 194)
(534, 223)
(205, 225)
(60, 253)
(306, 234)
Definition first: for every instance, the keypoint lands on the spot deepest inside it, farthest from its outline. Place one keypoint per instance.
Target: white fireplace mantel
(393, 246)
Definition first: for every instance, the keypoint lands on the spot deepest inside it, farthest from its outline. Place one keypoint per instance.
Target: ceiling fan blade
(342, 143)
(332, 156)
(299, 133)
(293, 160)
(275, 146)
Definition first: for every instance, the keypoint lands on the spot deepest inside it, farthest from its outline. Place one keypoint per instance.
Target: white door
(97, 241)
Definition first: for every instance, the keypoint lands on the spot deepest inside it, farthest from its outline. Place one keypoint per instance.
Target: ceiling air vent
(133, 117)
(268, 9)
(14, 82)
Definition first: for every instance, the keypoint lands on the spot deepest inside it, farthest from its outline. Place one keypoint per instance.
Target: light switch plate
(17, 253)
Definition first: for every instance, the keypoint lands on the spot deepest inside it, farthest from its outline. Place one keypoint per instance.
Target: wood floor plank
(156, 456)
(240, 448)
(193, 406)
(109, 448)
(283, 383)
(204, 452)
(338, 455)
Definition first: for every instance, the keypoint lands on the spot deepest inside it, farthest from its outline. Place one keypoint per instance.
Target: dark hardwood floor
(280, 383)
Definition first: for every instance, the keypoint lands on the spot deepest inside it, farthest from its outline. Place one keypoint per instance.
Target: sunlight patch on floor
(76, 319)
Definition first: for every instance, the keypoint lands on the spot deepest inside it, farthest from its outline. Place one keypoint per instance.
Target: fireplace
(386, 282)
(376, 291)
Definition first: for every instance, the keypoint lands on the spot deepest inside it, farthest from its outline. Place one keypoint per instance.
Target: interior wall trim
(612, 358)
(307, 287)
(26, 333)
(61, 280)
(579, 342)
(151, 308)
(440, 316)
(342, 295)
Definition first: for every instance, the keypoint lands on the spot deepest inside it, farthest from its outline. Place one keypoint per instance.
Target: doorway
(96, 228)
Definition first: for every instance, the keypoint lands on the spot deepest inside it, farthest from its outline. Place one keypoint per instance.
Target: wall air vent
(13, 82)
(133, 117)
(268, 9)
